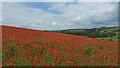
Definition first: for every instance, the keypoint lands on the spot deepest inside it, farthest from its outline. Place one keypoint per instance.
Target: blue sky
(59, 15)
(42, 5)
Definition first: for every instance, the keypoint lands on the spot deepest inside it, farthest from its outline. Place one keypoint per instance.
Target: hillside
(106, 33)
(27, 47)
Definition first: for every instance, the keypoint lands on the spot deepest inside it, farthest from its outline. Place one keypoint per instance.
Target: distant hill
(107, 33)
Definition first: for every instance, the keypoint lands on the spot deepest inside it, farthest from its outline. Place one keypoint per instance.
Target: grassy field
(111, 39)
(114, 30)
(104, 33)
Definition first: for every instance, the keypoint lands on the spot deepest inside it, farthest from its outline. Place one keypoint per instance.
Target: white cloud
(78, 15)
(91, 13)
(0, 12)
(54, 23)
(59, 0)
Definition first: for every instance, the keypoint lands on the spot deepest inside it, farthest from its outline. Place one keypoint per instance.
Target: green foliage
(8, 40)
(46, 31)
(110, 39)
(33, 51)
(4, 57)
(41, 50)
(102, 32)
(101, 48)
(37, 41)
(12, 52)
(88, 51)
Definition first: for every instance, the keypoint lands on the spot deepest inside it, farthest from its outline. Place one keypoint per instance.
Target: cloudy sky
(59, 15)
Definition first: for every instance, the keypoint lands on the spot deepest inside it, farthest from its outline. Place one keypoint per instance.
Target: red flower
(40, 61)
(81, 53)
(19, 53)
(70, 62)
(10, 65)
(45, 64)
(52, 64)
(0, 65)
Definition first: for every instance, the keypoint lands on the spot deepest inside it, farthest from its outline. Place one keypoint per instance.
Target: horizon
(53, 29)
(59, 15)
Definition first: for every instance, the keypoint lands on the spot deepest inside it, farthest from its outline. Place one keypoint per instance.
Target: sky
(59, 15)
(59, 0)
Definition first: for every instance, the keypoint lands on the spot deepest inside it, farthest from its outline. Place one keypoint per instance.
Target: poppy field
(27, 47)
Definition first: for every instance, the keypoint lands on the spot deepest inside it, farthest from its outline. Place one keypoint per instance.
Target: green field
(113, 30)
(104, 33)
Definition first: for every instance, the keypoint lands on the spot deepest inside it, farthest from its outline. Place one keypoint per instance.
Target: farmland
(104, 33)
(27, 47)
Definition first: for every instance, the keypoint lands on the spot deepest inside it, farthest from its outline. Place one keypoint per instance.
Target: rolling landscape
(104, 33)
(60, 34)
(27, 47)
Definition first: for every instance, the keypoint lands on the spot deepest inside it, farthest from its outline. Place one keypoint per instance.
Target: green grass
(110, 39)
(114, 38)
